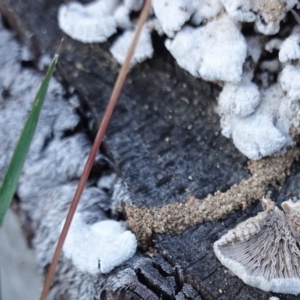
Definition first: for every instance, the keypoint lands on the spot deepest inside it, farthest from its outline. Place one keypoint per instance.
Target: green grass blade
(0, 284)
(11, 177)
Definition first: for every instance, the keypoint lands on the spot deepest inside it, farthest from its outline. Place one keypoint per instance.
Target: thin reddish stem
(99, 137)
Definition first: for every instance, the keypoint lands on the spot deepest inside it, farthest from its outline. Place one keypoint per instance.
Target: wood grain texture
(165, 138)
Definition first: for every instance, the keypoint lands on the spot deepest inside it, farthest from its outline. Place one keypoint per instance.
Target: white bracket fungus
(290, 82)
(88, 23)
(142, 51)
(274, 43)
(266, 130)
(290, 49)
(98, 247)
(239, 100)
(254, 136)
(121, 16)
(172, 15)
(263, 251)
(206, 39)
(239, 10)
(215, 51)
(205, 10)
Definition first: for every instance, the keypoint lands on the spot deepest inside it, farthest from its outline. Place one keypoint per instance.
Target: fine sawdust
(176, 217)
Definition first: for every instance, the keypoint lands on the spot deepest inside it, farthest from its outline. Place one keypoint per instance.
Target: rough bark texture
(165, 138)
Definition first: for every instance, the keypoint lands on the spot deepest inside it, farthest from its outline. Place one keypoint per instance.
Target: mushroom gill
(264, 250)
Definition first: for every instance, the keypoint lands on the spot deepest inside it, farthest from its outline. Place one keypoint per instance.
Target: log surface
(165, 139)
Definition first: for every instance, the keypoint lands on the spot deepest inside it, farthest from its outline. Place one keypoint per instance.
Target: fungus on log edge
(263, 251)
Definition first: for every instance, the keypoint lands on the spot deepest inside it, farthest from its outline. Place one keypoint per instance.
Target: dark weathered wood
(159, 101)
(163, 131)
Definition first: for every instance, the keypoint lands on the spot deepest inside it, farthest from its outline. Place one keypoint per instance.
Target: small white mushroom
(172, 14)
(239, 100)
(266, 131)
(122, 18)
(88, 23)
(215, 51)
(255, 136)
(290, 82)
(290, 49)
(279, 109)
(273, 44)
(143, 50)
(263, 251)
(105, 6)
(204, 10)
(239, 10)
(99, 247)
(154, 25)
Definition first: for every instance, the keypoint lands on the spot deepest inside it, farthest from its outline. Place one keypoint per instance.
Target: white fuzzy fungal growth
(99, 247)
(239, 100)
(266, 131)
(290, 83)
(52, 168)
(205, 10)
(142, 51)
(172, 15)
(122, 19)
(255, 136)
(220, 57)
(206, 39)
(290, 49)
(239, 11)
(263, 250)
(88, 23)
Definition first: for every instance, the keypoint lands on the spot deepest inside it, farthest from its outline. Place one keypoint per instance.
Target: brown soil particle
(176, 217)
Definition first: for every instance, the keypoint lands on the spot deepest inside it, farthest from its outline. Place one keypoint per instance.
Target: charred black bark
(165, 138)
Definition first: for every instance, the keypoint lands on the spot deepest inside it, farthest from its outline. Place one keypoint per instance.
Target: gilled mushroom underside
(264, 250)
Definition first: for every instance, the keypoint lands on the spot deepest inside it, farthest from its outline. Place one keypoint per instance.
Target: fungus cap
(122, 18)
(99, 247)
(239, 100)
(172, 14)
(289, 49)
(290, 82)
(88, 23)
(205, 10)
(263, 251)
(143, 50)
(206, 46)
